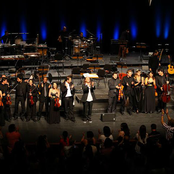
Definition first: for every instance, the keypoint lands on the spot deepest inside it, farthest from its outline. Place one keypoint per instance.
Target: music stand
(140, 46)
(66, 49)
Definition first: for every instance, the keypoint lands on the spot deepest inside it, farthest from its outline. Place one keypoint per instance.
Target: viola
(56, 102)
(166, 95)
(31, 100)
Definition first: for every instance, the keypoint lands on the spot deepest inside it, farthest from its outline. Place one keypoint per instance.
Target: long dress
(2, 119)
(54, 112)
(149, 98)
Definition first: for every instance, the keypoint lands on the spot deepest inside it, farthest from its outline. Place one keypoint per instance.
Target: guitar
(170, 69)
(161, 54)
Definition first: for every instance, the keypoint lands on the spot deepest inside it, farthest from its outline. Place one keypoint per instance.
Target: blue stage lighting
(3, 29)
(116, 32)
(99, 34)
(133, 28)
(43, 31)
(83, 29)
(158, 22)
(23, 29)
(167, 26)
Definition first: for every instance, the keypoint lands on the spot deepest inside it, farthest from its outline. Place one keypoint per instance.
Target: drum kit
(81, 46)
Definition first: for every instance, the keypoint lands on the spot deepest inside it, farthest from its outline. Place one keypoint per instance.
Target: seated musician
(115, 94)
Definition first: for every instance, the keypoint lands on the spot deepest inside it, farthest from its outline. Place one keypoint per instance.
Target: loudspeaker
(108, 117)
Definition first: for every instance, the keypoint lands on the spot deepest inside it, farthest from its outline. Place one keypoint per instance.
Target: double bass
(166, 94)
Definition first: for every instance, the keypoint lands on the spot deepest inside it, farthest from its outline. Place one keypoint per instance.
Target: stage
(31, 130)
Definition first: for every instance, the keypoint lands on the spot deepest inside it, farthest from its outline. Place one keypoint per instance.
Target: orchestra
(134, 91)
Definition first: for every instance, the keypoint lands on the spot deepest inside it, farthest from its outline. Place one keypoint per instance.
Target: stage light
(3, 29)
(23, 29)
(116, 32)
(167, 26)
(99, 34)
(43, 31)
(83, 29)
(133, 29)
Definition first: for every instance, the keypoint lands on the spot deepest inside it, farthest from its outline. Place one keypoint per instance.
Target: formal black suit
(31, 108)
(87, 106)
(67, 102)
(20, 97)
(113, 96)
(43, 98)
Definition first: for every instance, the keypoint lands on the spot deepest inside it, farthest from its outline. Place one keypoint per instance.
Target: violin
(1, 103)
(31, 98)
(120, 93)
(8, 100)
(56, 102)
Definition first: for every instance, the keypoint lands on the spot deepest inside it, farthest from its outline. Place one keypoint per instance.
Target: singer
(88, 98)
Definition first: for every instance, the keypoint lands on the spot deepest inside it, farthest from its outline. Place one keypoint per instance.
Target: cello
(166, 94)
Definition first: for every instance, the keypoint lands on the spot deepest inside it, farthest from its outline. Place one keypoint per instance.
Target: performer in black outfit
(6, 99)
(124, 37)
(88, 98)
(20, 87)
(68, 90)
(43, 90)
(154, 62)
(31, 101)
(62, 40)
(128, 83)
(115, 94)
(160, 81)
(6, 38)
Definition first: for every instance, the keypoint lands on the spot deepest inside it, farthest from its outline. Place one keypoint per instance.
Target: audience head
(106, 131)
(11, 128)
(142, 131)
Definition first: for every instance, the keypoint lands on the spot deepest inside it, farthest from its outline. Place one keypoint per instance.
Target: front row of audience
(145, 153)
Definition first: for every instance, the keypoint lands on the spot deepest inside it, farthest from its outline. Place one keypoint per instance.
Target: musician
(154, 62)
(62, 39)
(43, 90)
(6, 99)
(20, 96)
(160, 81)
(138, 91)
(68, 90)
(54, 112)
(115, 94)
(5, 38)
(122, 48)
(128, 83)
(88, 98)
(2, 119)
(82, 38)
(31, 93)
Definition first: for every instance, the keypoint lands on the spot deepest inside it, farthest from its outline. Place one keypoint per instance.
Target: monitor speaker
(108, 117)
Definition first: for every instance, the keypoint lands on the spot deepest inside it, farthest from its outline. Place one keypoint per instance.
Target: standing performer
(160, 81)
(138, 91)
(6, 99)
(149, 94)
(31, 101)
(43, 90)
(154, 62)
(2, 119)
(68, 90)
(20, 87)
(54, 112)
(123, 48)
(128, 83)
(88, 98)
(115, 94)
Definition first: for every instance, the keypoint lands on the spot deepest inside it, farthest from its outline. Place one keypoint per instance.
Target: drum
(18, 41)
(76, 49)
(76, 41)
(42, 49)
(83, 44)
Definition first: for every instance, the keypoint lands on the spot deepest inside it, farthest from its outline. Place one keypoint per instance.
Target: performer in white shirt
(68, 91)
(87, 98)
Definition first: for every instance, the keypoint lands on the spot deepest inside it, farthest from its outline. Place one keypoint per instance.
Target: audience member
(12, 136)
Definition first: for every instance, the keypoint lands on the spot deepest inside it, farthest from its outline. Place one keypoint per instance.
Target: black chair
(76, 74)
(101, 76)
(108, 70)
